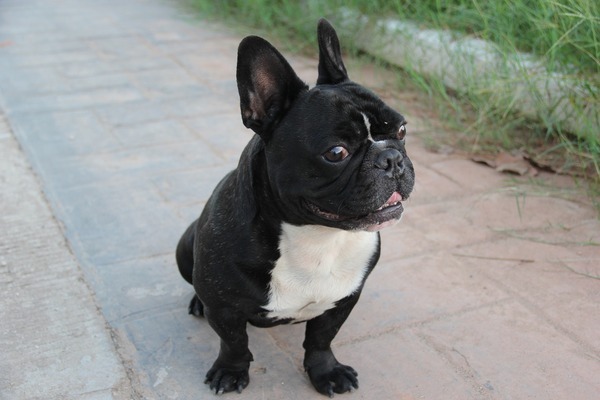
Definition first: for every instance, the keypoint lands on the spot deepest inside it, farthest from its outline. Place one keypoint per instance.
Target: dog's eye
(336, 154)
(402, 132)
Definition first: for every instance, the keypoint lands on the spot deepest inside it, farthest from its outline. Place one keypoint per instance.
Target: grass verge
(563, 34)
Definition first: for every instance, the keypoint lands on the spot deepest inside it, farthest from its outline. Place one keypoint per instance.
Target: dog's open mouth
(378, 219)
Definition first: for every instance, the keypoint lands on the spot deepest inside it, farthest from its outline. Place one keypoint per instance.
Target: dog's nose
(391, 161)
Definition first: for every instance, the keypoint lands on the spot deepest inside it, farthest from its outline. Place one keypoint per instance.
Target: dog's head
(335, 153)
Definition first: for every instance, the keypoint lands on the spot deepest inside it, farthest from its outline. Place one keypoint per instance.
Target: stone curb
(55, 341)
(519, 82)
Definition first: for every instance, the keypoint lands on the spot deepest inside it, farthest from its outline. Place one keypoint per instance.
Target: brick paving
(127, 111)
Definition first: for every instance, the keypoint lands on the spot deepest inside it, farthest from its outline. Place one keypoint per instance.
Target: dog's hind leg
(196, 308)
(185, 253)
(185, 261)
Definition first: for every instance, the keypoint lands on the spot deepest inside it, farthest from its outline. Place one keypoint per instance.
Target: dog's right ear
(331, 67)
(267, 85)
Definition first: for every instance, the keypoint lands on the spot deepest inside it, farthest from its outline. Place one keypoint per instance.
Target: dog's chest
(317, 267)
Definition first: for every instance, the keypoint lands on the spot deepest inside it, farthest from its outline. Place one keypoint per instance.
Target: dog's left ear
(331, 66)
(267, 85)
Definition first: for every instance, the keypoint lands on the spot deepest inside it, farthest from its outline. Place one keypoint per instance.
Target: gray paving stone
(486, 341)
(63, 134)
(209, 68)
(156, 159)
(470, 177)
(100, 68)
(191, 185)
(65, 101)
(119, 47)
(43, 45)
(136, 219)
(208, 42)
(31, 60)
(513, 211)
(136, 112)
(433, 187)
(416, 372)
(96, 68)
(157, 109)
(153, 133)
(168, 82)
(111, 80)
(141, 286)
(440, 226)
(556, 282)
(194, 106)
(38, 81)
(223, 132)
(121, 166)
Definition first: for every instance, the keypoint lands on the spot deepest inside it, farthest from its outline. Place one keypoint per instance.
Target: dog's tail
(185, 253)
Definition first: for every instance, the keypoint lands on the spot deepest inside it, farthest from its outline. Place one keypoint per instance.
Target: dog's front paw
(339, 378)
(223, 380)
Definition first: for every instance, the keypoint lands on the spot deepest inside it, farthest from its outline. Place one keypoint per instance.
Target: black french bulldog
(291, 234)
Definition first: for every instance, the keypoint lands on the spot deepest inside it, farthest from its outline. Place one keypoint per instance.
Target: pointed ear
(267, 85)
(331, 66)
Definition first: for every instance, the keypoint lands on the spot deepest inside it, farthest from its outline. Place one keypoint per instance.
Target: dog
(291, 234)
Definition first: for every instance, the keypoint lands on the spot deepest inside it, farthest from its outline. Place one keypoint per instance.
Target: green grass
(563, 34)
(566, 32)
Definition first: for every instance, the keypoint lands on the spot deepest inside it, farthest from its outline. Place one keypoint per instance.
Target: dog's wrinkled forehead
(350, 104)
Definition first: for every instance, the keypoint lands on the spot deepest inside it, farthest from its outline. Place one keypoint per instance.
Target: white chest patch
(318, 266)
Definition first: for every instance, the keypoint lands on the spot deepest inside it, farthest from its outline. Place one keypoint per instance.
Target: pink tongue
(394, 198)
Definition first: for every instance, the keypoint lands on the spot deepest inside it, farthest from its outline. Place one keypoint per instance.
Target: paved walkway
(127, 111)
